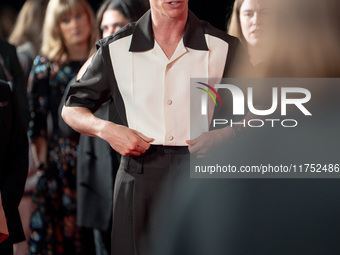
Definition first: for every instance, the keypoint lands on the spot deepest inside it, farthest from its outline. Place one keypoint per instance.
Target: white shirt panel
(156, 90)
(149, 86)
(177, 89)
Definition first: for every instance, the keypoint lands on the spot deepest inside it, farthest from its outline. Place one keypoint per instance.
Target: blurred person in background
(252, 22)
(26, 36)
(27, 32)
(13, 165)
(113, 15)
(307, 43)
(97, 161)
(68, 35)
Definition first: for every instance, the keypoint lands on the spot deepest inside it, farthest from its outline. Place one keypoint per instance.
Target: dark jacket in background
(13, 66)
(13, 161)
(96, 172)
(97, 167)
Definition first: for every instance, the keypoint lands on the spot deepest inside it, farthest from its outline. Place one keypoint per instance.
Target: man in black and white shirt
(146, 68)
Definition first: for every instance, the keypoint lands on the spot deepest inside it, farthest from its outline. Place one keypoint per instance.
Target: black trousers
(141, 189)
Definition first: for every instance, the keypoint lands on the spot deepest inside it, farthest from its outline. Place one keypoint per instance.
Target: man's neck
(168, 31)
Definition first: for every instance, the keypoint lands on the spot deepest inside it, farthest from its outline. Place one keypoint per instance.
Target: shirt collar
(143, 40)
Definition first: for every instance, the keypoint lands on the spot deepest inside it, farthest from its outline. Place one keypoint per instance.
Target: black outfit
(96, 172)
(11, 70)
(97, 167)
(13, 164)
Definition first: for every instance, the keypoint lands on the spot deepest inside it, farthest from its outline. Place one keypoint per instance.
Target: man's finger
(145, 138)
(193, 141)
(194, 148)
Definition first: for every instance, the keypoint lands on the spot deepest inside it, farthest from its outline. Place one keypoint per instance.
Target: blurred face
(255, 20)
(112, 21)
(75, 28)
(169, 8)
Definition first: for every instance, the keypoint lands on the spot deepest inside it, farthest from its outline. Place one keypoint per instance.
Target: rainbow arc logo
(209, 93)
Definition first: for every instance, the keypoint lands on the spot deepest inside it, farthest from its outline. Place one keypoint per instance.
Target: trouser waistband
(167, 149)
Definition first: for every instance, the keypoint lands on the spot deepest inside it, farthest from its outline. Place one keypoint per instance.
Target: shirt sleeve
(94, 87)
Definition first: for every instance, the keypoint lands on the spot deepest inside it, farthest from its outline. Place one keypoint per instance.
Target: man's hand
(209, 141)
(124, 140)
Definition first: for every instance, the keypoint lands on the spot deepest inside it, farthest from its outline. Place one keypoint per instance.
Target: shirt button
(170, 137)
(169, 102)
